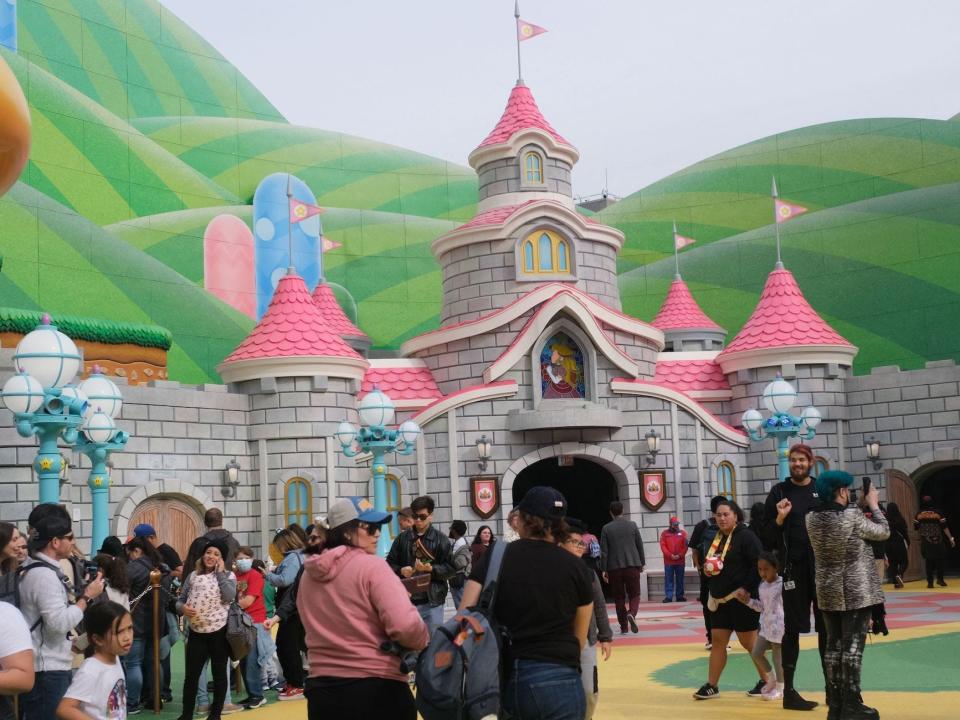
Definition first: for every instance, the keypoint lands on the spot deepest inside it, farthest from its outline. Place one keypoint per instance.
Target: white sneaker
(774, 694)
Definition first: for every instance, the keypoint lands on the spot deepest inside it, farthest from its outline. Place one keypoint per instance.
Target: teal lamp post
(98, 438)
(779, 397)
(43, 403)
(376, 411)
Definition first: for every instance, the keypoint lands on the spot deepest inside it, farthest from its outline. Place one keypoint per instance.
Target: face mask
(244, 564)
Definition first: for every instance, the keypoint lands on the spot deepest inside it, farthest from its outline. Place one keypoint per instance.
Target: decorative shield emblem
(653, 488)
(485, 495)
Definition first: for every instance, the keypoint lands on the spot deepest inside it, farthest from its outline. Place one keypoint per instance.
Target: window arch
(545, 252)
(727, 480)
(297, 502)
(820, 465)
(532, 168)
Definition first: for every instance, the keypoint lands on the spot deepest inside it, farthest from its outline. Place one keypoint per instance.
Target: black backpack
(10, 585)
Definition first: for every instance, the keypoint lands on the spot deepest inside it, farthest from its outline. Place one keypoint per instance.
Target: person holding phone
(848, 585)
(204, 600)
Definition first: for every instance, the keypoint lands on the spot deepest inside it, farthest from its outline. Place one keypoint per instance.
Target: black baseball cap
(544, 502)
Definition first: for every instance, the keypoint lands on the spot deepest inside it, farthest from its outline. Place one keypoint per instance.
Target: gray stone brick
(945, 418)
(930, 405)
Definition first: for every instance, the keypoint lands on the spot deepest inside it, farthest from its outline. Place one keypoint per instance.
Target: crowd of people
(81, 642)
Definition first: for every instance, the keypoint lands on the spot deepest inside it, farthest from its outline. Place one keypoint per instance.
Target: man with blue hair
(848, 585)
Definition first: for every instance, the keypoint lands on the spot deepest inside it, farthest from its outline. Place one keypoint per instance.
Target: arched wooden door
(177, 523)
(903, 491)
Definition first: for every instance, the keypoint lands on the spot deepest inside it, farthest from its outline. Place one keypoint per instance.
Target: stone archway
(623, 472)
(164, 487)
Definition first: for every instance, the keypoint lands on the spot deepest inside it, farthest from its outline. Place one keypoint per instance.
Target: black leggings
(846, 635)
(200, 648)
(358, 699)
(290, 640)
(935, 566)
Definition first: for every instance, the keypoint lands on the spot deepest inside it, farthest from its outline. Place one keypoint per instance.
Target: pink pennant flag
(327, 245)
(300, 211)
(526, 30)
(680, 242)
(785, 211)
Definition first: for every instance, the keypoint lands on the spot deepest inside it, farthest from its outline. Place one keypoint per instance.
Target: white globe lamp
(409, 432)
(779, 396)
(376, 409)
(48, 355)
(345, 433)
(811, 417)
(102, 393)
(100, 427)
(751, 420)
(22, 394)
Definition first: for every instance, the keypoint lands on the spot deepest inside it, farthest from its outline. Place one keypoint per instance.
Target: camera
(408, 658)
(90, 570)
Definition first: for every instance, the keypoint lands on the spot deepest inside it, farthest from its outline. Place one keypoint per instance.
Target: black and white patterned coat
(846, 573)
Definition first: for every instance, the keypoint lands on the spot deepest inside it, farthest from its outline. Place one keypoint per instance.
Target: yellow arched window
(546, 252)
(533, 168)
(820, 466)
(394, 503)
(727, 480)
(297, 502)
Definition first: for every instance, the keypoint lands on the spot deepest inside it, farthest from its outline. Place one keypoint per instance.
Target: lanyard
(712, 552)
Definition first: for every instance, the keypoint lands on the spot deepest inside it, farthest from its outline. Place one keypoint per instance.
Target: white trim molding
(787, 355)
(623, 386)
(303, 366)
(529, 212)
(476, 393)
(520, 139)
(524, 304)
(573, 306)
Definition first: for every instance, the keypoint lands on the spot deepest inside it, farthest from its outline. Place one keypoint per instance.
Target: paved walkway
(912, 674)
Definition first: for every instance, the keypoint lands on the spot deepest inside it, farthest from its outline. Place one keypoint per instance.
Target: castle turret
(686, 327)
(337, 321)
(527, 231)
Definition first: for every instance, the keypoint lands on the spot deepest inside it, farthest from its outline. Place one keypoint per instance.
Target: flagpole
(516, 14)
(289, 223)
(676, 252)
(776, 222)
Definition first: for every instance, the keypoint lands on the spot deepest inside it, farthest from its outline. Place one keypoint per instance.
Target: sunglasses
(422, 516)
(65, 537)
(371, 528)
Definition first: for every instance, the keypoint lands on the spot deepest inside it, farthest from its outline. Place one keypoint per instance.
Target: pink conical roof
(293, 326)
(783, 318)
(681, 312)
(521, 113)
(334, 316)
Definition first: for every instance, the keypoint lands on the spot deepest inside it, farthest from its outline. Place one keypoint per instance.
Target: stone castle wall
(498, 177)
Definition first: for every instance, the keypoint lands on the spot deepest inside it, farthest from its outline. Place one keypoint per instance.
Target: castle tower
(527, 231)
(686, 327)
(337, 321)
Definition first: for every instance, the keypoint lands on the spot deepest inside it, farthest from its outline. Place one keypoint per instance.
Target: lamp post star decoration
(46, 405)
(376, 411)
(779, 397)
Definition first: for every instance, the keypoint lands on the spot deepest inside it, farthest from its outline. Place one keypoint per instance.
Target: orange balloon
(14, 128)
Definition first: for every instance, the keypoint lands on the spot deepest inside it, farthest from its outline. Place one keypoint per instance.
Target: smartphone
(866, 486)
(90, 570)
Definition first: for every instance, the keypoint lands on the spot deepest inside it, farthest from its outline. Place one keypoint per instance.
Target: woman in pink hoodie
(350, 602)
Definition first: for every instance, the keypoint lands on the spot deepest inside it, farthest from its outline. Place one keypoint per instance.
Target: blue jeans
(457, 595)
(133, 670)
(432, 616)
(48, 690)
(203, 695)
(673, 577)
(544, 691)
(251, 669)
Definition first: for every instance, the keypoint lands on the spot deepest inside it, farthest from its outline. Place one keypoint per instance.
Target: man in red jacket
(673, 544)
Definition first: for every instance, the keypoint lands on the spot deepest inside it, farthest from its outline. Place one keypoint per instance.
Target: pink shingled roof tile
(690, 375)
(292, 327)
(333, 314)
(521, 113)
(681, 312)
(402, 383)
(783, 318)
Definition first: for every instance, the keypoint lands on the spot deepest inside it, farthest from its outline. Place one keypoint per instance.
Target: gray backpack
(458, 675)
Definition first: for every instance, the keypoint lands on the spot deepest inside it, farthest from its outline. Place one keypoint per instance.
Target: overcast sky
(642, 87)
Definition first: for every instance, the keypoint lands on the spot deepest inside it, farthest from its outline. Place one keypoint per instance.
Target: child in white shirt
(98, 690)
(770, 607)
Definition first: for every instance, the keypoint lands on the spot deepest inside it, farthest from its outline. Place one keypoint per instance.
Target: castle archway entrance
(177, 522)
(941, 482)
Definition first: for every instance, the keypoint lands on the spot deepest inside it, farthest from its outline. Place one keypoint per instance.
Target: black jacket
(402, 555)
(138, 571)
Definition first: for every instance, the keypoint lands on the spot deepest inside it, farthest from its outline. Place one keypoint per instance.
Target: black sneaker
(632, 621)
(254, 703)
(681, 599)
(666, 600)
(757, 690)
(941, 583)
(134, 710)
(706, 692)
(793, 701)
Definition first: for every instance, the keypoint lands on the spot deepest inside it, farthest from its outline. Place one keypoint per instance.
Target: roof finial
(776, 221)
(516, 14)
